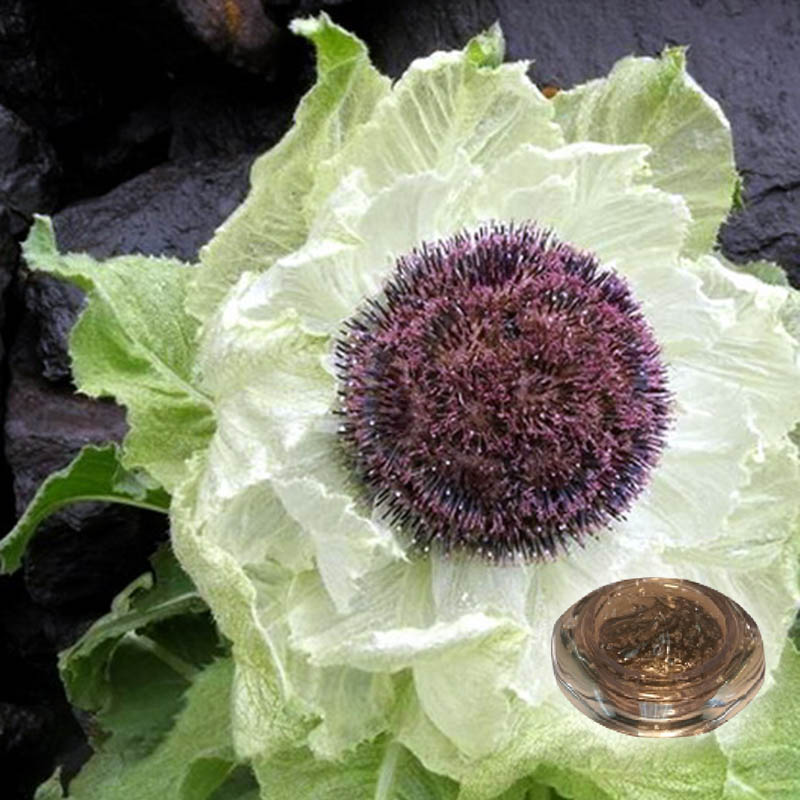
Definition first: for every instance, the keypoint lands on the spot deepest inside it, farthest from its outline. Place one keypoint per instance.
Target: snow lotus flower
(390, 474)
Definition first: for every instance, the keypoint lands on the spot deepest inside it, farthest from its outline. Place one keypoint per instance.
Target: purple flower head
(502, 396)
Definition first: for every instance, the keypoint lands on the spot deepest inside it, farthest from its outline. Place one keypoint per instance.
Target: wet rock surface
(37, 727)
(28, 179)
(135, 124)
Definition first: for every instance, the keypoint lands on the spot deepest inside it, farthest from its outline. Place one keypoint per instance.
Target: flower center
(503, 395)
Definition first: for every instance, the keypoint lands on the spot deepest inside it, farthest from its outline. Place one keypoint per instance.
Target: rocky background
(134, 124)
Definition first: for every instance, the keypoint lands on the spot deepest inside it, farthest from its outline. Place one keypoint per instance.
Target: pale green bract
(360, 672)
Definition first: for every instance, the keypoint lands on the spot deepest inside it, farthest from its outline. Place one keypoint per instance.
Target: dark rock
(105, 83)
(25, 733)
(171, 210)
(769, 227)
(84, 556)
(36, 724)
(212, 119)
(573, 42)
(302, 6)
(25, 652)
(55, 305)
(9, 254)
(237, 29)
(63, 62)
(97, 79)
(102, 151)
(47, 424)
(28, 171)
(31, 78)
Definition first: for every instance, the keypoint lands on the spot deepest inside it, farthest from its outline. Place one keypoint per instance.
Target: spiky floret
(503, 395)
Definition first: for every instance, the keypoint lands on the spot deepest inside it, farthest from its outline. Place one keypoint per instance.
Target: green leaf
(51, 788)
(737, 203)
(380, 770)
(655, 102)
(528, 789)
(192, 762)
(274, 219)
(161, 703)
(94, 474)
(763, 742)
(202, 776)
(240, 784)
(125, 661)
(135, 342)
(161, 724)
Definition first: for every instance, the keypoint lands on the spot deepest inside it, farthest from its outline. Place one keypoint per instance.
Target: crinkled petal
(353, 248)
(225, 583)
(379, 770)
(461, 690)
(262, 720)
(273, 400)
(442, 104)
(762, 744)
(756, 532)
(461, 584)
(271, 390)
(586, 192)
(395, 598)
(354, 706)
(392, 625)
(582, 760)
(702, 468)
(348, 543)
(701, 321)
(657, 103)
(756, 352)
(254, 528)
(250, 602)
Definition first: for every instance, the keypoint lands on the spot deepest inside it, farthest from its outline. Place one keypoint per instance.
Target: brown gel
(658, 657)
(669, 636)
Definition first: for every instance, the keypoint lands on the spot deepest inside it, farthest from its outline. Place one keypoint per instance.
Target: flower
(311, 579)
(287, 517)
(504, 397)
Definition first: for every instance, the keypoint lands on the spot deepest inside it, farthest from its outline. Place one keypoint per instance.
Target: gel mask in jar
(658, 657)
